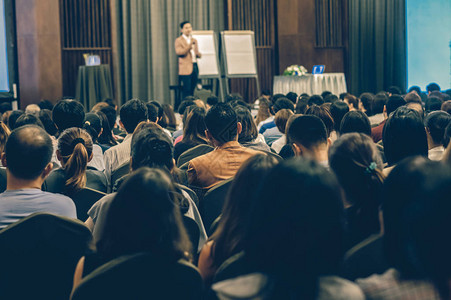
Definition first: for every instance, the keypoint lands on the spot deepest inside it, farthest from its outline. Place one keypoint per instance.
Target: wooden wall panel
(85, 28)
(258, 16)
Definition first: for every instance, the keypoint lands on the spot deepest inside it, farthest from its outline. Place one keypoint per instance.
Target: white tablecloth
(310, 84)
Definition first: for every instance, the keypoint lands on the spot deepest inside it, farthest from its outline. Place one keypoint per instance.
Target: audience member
(169, 117)
(281, 121)
(338, 109)
(27, 155)
(249, 136)
(5, 106)
(45, 116)
(4, 134)
(377, 109)
(315, 100)
(417, 107)
(446, 106)
(355, 121)
(32, 109)
(324, 115)
(394, 90)
(331, 98)
(301, 105)
(436, 123)
(432, 87)
(68, 113)
(28, 119)
(292, 96)
(222, 163)
(13, 118)
(263, 110)
(268, 124)
(106, 139)
(391, 105)
(352, 102)
(433, 103)
(366, 103)
(212, 101)
(45, 104)
(93, 126)
(412, 97)
(193, 132)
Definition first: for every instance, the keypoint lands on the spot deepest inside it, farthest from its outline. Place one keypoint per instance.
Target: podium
(94, 85)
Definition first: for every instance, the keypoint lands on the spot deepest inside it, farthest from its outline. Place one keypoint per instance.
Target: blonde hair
(75, 147)
(4, 134)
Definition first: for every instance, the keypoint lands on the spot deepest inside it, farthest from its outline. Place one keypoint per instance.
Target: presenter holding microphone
(188, 52)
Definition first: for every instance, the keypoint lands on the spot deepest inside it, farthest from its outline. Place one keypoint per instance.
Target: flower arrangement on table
(295, 70)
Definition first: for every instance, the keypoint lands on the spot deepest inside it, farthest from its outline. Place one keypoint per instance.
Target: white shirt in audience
(97, 160)
(376, 119)
(116, 156)
(270, 119)
(279, 143)
(436, 153)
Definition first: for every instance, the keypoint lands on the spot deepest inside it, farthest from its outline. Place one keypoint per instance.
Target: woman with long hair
(74, 152)
(249, 136)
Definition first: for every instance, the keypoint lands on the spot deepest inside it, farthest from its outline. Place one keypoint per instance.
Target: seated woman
(228, 238)
(355, 121)
(249, 136)
(74, 151)
(294, 239)
(143, 217)
(357, 163)
(193, 132)
(93, 125)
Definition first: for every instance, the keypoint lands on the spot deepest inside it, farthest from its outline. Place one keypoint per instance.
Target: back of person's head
(379, 101)
(276, 97)
(393, 102)
(248, 128)
(416, 210)
(308, 131)
(433, 103)
(45, 104)
(74, 152)
(184, 105)
(301, 105)
(331, 98)
(132, 112)
(351, 100)
(221, 121)
(404, 135)
(233, 97)
(324, 115)
(151, 147)
(28, 151)
(68, 113)
(366, 99)
(412, 97)
(315, 100)
(325, 94)
(32, 109)
(15, 114)
(342, 96)
(394, 90)
(358, 165)
(93, 126)
(355, 121)
(144, 217)
(446, 106)
(337, 110)
(281, 119)
(106, 137)
(28, 119)
(229, 236)
(435, 124)
(4, 134)
(308, 217)
(212, 100)
(45, 116)
(418, 107)
(414, 88)
(97, 107)
(5, 106)
(111, 115)
(282, 103)
(152, 112)
(431, 87)
(194, 129)
(292, 96)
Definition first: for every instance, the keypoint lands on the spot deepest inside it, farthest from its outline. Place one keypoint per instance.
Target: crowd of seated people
(307, 196)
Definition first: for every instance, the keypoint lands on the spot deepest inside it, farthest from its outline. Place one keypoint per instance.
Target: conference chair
(211, 205)
(123, 170)
(38, 256)
(193, 233)
(84, 199)
(193, 153)
(141, 276)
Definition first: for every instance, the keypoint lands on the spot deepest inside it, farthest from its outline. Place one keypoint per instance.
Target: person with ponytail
(357, 163)
(75, 151)
(93, 125)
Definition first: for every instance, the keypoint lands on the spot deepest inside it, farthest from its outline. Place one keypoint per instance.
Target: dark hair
(160, 109)
(301, 105)
(229, 235)
(324, 115)
(276, 97)
(416, 106)
(292, 96)
(446, 106)
(194, 129)
(308, 217)
(131, 113)
(5, 106)
(367, 101)
(152, 112)
(263, 110)
(355, 121)
(433, 103)
(93, 125)
(110, 114)
(169, 116)
(337, 110)
(13, 118)
(45, 116)
(282, 103)
(45, 104)
(144, 217)
(394, 90)
(307, 130)
(281, 119)
(212, 100)
(404, 135)
(28, 119)
(394, 101)
(28, 151)
(331, 98)
(436, 123)
(379, 101)
(221, 121)
(68, 113)
(183, 24)
(106, 137)
(325, 94)
(358, 165)
(249, 130)
(4, 134)
(412, 97)
(233, 97)
(415, 88)
(352, 100)
(432, 87)
(342, 96)
(184, 105)
(315, 99)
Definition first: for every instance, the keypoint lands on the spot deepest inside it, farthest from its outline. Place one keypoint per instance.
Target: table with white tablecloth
(310, 84)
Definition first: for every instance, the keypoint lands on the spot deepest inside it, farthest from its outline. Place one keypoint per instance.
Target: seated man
(222, 163)
(308, 135)
(27, 160)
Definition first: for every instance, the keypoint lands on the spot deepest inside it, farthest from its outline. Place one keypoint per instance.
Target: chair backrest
(193, 153)
(193, 233)
(233, 267)
(84, 199)
(211, 205)
(38, 255)
(190, 192)
(141, 276)
(2, 179)
(123, 170)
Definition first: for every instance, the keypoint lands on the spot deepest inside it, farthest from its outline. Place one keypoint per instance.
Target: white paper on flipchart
(240, 54)
(207, 63)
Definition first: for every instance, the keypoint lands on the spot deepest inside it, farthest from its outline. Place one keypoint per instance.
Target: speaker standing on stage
(187, 49)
